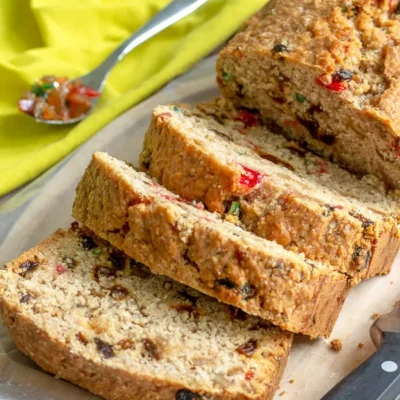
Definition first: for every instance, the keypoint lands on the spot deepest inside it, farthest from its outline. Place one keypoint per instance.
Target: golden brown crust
(293, 295)
(57, 356)
(272, 210)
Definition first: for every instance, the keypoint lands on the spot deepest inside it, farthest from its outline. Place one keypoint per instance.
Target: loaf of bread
(273, 187)
(325, 73)
(195, 247)
(85, 312)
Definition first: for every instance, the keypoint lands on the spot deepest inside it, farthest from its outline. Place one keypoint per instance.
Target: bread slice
(197, 248)
(273, 187)
(85, 312)
(326, 73)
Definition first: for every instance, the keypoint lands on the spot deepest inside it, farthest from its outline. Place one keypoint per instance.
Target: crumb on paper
(291, 381)
(391, 282)
(375, 315)
(282, 394)
(336, 345)
(360, 345)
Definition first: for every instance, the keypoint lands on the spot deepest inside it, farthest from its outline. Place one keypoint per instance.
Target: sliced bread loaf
(85, 312)
(325, 73)
(197, 248)
(273, 187)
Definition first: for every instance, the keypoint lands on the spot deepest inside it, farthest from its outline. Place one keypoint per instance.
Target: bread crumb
(282, 393)
(391, 282)
(336, 345)
(375, 315)
(360, 345)
(291, 381)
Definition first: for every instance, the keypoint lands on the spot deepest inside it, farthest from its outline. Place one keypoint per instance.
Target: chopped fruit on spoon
(53, 98)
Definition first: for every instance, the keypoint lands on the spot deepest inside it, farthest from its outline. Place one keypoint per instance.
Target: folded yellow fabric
(69, 38)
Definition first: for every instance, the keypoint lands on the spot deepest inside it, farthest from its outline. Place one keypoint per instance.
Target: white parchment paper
(312, 369)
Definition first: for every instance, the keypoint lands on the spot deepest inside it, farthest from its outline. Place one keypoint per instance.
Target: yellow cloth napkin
(69, 38)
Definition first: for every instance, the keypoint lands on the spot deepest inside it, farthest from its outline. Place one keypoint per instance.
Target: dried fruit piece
(226, 282)
(279, 48)
(100, 271)
(237, 313)
(248, 348)
(152, 349)
(96, 251)
(25, 298)
(334, 85)
(235, 208)
(75, 226)
(82, 338)
(249, 119)
(190, 308)
(28, 267)
(104, 348)
(250, 177)
(248, 291)
(119, 292)
(249, 375)
(88, 243)
(342, 75)
(184, 394)
(117, 259)
(226, 76)
(300, 98)
(69, 262)
(364, 221)
(59, 269)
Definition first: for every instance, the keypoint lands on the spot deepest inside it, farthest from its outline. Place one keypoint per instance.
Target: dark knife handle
(377, 378)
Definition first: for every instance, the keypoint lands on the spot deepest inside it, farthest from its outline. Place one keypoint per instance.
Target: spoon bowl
(96, 79)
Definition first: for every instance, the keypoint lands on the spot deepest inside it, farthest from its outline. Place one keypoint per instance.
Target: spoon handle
(174, 12)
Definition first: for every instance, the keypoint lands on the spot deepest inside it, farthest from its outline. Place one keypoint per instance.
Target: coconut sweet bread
(195, 247)
(85, 312)
(325, 73)
(273, 187)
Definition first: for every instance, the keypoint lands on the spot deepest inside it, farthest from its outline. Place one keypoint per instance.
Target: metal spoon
(96, 79)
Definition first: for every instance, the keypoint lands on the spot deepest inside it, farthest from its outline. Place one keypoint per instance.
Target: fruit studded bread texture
(85, 312)
(325, 73)
(197, 248)
(273, 187)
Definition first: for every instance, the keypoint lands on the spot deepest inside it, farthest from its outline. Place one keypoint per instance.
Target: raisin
(280, 48)
(187, 296)
(237, 313)
(139, 270)
(152, 349)
(25, 298)
(248, 291)
(82, 338)
(74, 226)
(248, 348)
(28, 267)
(146, 162)
(361, 252)
(342, 75)
(364, 221)
(104, 348)
(335, 86)
(117, 259)
(119, 292)
(260, 325)
(226, 282)
(88, 243)
(190, 308)
(103, 270)
(184, 394)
